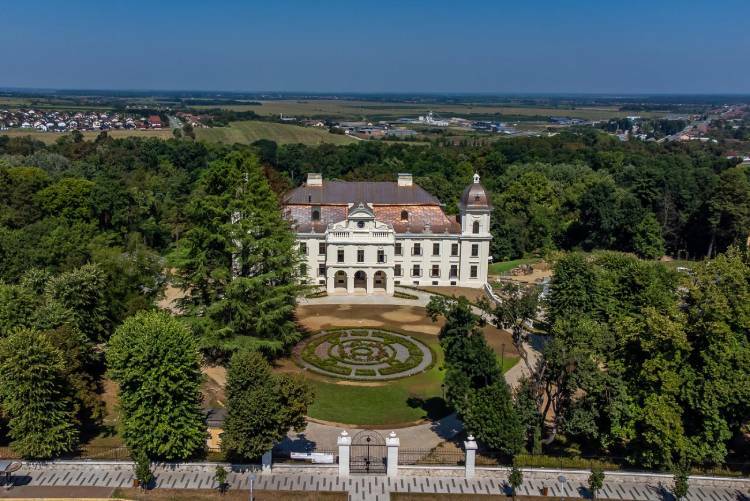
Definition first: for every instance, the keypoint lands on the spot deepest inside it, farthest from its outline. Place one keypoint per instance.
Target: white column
(350, 282)
(370, 280)
(392, 442)
(344, 442)
(266, 460)
(330, 281)
(471, 450)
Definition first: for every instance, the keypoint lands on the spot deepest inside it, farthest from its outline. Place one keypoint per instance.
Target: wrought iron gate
(368, 453)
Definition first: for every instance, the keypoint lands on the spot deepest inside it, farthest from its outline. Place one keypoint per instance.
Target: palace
(366, 237)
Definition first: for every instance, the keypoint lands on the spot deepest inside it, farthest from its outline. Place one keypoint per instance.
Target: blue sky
(562, 46)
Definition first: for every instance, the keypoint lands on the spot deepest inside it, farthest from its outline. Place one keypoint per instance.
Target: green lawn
(505, 266)
(248, 131)
(397, 402)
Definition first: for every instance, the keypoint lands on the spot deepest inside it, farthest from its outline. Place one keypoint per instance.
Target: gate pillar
(392, 442)
(344, 442)
(471, 450)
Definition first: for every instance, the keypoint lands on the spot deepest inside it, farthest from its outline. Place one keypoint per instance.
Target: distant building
(154, 122)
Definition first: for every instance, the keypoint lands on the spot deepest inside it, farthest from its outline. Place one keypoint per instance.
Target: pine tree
(35, 397)
(261, 406)
(239, 260)
(155, 360)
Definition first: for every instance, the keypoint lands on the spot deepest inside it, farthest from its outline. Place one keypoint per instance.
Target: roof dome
(475, 196)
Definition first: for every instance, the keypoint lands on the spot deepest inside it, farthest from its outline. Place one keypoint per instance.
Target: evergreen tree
(470, 363)
(239, 260)
(491, 416)
(261, 406)
(34, 396)
(155, 361)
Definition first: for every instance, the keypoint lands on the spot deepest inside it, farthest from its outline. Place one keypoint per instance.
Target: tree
(596, 481)
(220, 477)
(142, 470)
(261, 406)
(239, 260)
(34, 396)
(516, 311)
(647, 240)
(81, 291)
(515, 480)
(154, 359)
(470, 362)
(492, 418)
(681, 485)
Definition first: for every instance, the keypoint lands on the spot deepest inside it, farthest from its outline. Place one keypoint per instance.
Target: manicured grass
(395, 402)
(505, 266)
(248, 131)
(390, 403)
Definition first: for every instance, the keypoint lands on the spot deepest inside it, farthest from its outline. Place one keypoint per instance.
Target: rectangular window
(397, 249)
(473, 271)
(436, 249)
(381, 256)
(303, 248)
(321, 270)
(360, 255)
(454, 249)
(454, 271)
(321, 248)
(416, 271)
(435, 271)
(474, 250)
(416, 250)
(340, 255)
(397, 270)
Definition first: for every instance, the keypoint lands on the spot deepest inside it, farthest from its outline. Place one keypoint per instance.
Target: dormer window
(404, 215)
(315, 215)
(360, 224)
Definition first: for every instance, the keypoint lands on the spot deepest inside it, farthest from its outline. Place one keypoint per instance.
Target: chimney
(314, 179)
(404, 179)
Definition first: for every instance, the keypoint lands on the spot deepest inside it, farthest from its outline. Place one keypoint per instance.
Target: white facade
(360, 254)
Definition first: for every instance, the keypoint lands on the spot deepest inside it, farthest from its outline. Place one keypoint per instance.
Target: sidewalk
(98, 479)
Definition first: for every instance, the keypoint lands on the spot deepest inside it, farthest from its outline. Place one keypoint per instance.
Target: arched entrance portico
(339, 280)
(379, 281)
(360, 280)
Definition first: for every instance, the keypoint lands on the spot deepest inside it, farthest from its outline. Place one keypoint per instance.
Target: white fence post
(344, 442)
(471, 450)
(392, 442)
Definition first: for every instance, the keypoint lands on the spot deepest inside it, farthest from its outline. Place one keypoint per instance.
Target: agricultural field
(51, 137)
(246, 132)
(357, 110)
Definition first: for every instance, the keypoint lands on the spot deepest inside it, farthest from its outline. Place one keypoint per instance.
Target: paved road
(422, 436)
(69, 478)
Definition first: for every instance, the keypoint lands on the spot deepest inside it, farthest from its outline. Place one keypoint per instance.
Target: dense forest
(90, 232)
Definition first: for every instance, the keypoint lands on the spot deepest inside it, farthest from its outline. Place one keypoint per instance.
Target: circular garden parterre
(364, 354)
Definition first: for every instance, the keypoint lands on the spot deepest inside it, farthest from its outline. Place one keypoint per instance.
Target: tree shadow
(585, 492)
(434, 407)
(300, 443)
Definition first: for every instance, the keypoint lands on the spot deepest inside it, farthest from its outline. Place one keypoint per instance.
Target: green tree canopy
(154, 359)
(261, 406)
(35, 396)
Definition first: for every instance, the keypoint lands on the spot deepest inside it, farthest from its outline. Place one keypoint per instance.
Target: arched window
(316, 214)
(475, 227)
(404, 215)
